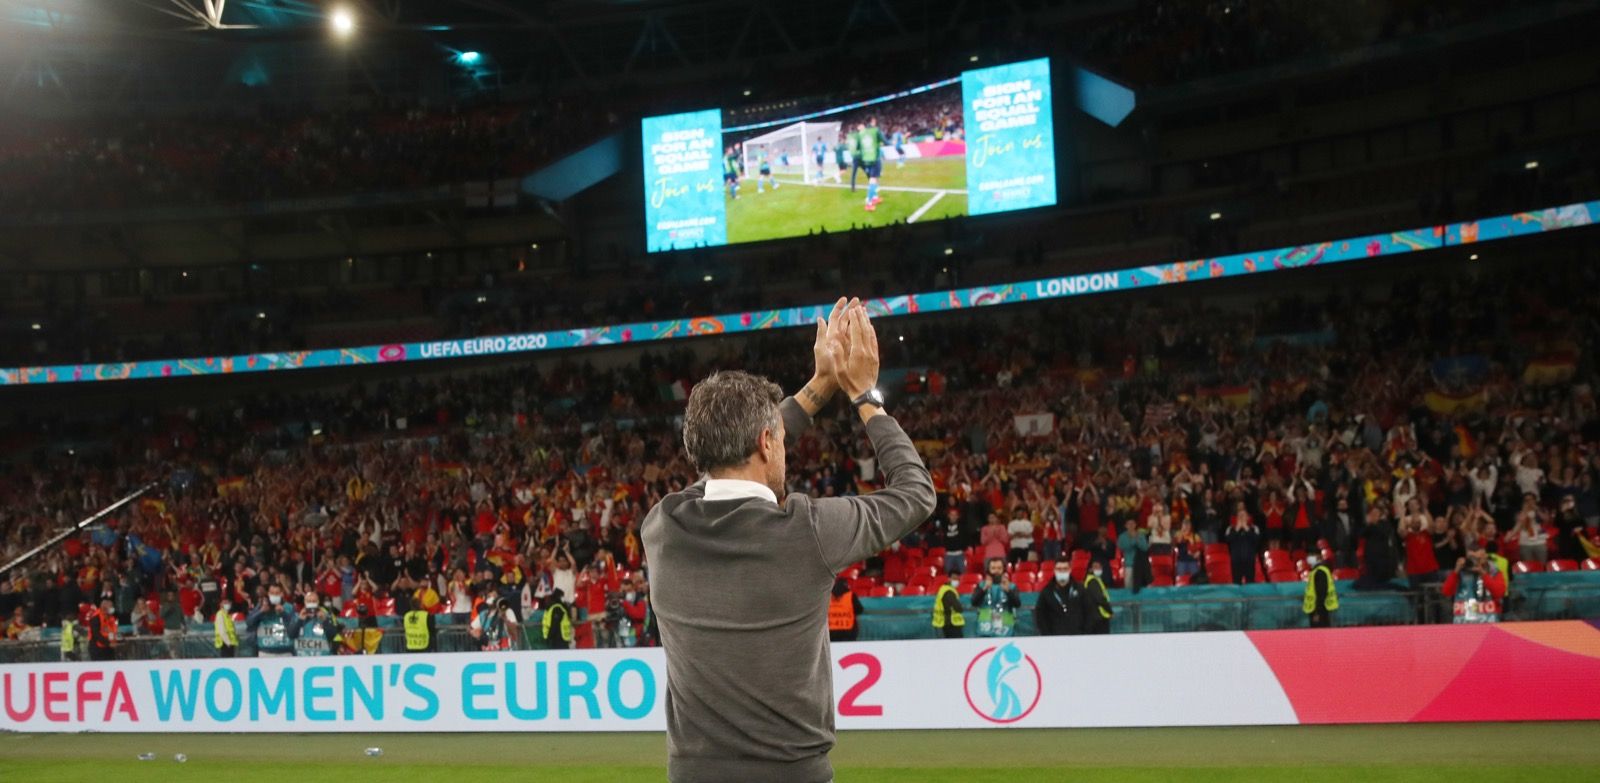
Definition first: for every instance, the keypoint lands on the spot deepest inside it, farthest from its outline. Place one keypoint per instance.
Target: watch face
(877, 396)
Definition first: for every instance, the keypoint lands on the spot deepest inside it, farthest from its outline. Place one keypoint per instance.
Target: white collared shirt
(733, 489)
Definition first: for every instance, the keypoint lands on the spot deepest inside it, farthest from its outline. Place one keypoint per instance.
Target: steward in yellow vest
(947, 616)
(1097, 604)
(1322, 598)
(419, 631)
(226, 636)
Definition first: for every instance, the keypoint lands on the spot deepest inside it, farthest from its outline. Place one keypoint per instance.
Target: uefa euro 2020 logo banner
(1003, 684)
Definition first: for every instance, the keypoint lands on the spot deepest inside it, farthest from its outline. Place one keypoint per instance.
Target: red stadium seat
(1592, 564)
(937, 553)
(1027, 567)
(1284, 576)
(1220, 550)
(386, 607)
(879, 591)
(1559, 566)
(968, 580)
(1183, 580)
(1161, 580)
(1162, 566)
(863, 585)
(1346, 573)
(1277, 560)
(1528, 567)
(850, 573)
(915, 588)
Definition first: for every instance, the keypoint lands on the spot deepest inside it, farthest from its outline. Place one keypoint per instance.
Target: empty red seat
(937, 553)
(1217, 549)
(1559, 566)
(1027, 567)
(1161, 580)
(1284, 576)
(1346, 573)
(1592, 564)
(1183, 580)
(863, 585)
(1528, 567)
(915, 588)
(1161, 565)
(879, 591)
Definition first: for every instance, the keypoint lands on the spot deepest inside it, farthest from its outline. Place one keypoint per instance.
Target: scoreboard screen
(974, 144)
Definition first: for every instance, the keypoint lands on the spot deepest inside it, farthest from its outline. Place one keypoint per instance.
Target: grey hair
(726, 414)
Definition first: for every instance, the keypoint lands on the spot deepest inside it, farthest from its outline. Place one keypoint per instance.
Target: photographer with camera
(1476, 587)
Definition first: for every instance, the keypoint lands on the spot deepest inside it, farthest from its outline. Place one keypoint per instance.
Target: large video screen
(974, 144)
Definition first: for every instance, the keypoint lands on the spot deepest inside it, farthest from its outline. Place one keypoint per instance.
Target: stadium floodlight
(972, 59)
(790, 149)
(37, 326)
(469, 58)
(342, 21)
(262, 316)
(1531, 165)
(949, 251)
(708, 278)
(746, 93)
(1216, 216)
(1472, 257)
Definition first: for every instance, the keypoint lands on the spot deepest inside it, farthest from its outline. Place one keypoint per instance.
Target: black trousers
(953, 631)
(97, 653)
(226, 651)
(1098, 625)
(1321, 618)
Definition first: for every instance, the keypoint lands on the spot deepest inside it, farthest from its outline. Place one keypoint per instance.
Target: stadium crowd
(47, 166)
(1395, 438)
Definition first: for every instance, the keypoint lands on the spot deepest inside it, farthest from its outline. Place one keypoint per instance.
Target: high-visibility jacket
(224, 631)
(1329, 602)
(842, 612)
(416, 624)
(956, 618)
(69, 640)
(1092, 582)
(565, 621)
(102, 629)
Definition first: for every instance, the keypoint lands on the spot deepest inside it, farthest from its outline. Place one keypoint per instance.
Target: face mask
(312, 606)
(227, 607)
(1062, 577)
(1097, 574)
(275, 599)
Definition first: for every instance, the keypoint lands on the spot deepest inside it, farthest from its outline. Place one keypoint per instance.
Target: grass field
(1460, 753)
(939, 184)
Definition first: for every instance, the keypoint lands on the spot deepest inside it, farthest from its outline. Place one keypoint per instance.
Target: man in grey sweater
(741, 572)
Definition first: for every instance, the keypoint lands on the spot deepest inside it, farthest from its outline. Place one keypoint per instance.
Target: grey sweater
(740, 588)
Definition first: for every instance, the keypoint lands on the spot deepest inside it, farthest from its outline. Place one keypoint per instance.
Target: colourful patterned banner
(1368, 247)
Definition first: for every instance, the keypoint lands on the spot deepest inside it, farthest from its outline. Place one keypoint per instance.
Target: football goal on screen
(792, 150)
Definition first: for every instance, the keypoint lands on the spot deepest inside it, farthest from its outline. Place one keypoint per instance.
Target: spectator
(1020, 535)
(1059, 611)
(994, 539)
(1570, 529)
(1134, 544)
(1342, 529)
(955, 537)
(996, 600)
(1244, 540)
(1189, 548)
(1416, 530)
(636, 607)
(1531, 538)
(17, 625)
(1382, 544)
(1051, 536)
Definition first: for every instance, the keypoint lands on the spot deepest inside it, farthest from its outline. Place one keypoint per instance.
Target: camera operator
(1476, 587)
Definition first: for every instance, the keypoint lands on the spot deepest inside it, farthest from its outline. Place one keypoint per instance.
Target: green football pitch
(1458, 753)
(922, 190)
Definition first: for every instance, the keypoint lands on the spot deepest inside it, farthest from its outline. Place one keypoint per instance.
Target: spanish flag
(226, 487)
(1550, 369)
(1465, 441)
(1447, 404)
(1233, 396)
(452, 469)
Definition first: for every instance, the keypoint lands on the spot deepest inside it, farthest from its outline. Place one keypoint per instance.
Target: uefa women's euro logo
(1003, 685)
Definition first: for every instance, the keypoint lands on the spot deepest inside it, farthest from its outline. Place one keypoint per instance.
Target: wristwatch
(868, 397)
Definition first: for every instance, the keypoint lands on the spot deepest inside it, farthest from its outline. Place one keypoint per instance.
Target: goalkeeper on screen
(765, 177)
(870, 141)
